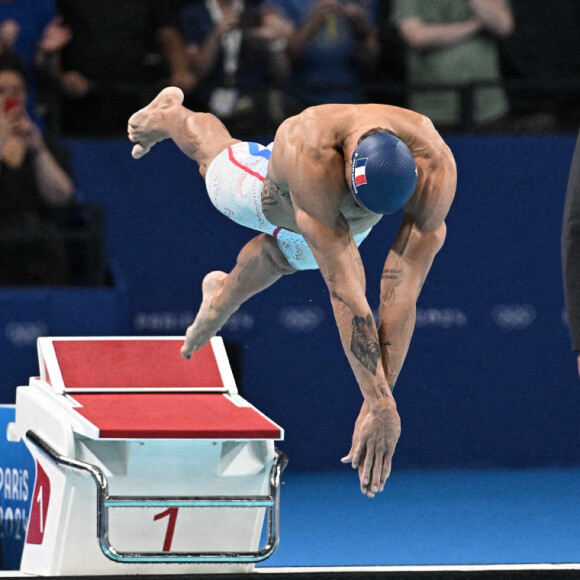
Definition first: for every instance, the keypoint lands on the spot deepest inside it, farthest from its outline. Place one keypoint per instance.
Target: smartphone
(11, 103)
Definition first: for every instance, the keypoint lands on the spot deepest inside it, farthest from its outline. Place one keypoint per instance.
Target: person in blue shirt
(236, 49)
(334, 49)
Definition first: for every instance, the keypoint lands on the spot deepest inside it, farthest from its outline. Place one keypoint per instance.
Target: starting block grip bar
(104, 502)
(199, 502)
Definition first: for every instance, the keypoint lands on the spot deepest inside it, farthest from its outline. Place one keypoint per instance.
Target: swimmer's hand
(375, 437)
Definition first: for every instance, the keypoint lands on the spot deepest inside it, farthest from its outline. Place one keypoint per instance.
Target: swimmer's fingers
(349, 457)
(365, 470)
(360, 469)
(377, 483)
(374, 470)
(386, 471)
(357, 455)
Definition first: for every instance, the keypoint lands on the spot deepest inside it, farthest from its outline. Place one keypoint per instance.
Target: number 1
(172, 513)
(39, 501)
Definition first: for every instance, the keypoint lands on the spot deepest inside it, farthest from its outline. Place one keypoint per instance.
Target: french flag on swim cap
(389, 173)
(360, 177)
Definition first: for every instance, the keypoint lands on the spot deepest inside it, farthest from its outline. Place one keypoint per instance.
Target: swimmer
(314, 194)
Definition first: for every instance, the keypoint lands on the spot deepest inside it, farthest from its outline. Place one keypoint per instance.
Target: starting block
(145, 462)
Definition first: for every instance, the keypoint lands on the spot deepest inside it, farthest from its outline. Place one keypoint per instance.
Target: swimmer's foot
(145, 127)
(208, 320)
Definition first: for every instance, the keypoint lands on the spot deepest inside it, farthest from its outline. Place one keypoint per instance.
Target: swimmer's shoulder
(307, 134)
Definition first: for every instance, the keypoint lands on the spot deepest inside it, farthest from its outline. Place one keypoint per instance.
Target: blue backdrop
(490, 377)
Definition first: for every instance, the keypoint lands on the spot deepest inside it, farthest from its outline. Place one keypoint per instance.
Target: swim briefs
(234, 182)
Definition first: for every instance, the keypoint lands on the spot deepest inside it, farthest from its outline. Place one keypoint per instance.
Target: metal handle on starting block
(104, 502)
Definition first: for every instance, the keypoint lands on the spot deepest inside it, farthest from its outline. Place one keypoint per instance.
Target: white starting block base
(170, 450)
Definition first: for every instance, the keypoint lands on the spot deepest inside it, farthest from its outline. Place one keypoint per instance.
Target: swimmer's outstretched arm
(404, 274)
(405, 270)
(421, 235)
(332, 244)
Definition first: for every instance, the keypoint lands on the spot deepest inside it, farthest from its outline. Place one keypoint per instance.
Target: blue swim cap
(384, 174)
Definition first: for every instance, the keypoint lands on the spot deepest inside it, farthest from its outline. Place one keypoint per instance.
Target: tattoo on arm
(380, 391)
(391, 274)
(365, 342)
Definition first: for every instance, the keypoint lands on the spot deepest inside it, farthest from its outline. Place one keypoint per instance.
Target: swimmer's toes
(138, 151)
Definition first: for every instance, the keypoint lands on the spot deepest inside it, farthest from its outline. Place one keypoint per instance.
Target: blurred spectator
(106, 70)
(32, 30)
(544, 51)
(32, 180)
(237, 50)
(334, 50)
(455, 42)
(391, 73)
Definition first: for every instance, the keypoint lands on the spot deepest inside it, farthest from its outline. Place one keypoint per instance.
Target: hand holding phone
(11, 103)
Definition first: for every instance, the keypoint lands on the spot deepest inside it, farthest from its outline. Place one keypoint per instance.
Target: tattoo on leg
(364, 343)
(268, 198)
(272, 195)
(391, 274)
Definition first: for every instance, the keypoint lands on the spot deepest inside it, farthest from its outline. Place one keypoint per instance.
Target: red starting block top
(175, 416)
(132, 364)
(141, 388)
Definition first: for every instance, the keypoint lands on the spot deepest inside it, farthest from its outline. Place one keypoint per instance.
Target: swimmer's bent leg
(201, 136)
(259, 265)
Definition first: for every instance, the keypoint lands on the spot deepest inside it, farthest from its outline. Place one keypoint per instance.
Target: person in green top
(454, 42)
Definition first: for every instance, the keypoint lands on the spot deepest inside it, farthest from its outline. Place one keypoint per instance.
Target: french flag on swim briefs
(360, 177)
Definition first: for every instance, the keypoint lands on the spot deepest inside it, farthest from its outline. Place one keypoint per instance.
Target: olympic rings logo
(513, 316)
(24, 334)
